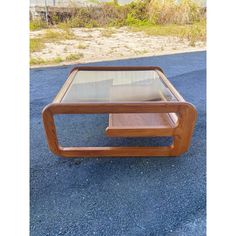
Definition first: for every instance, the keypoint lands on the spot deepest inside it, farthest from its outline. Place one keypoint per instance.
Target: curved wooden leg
(184, 131)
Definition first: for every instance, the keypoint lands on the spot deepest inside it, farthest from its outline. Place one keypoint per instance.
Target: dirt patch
(99, 44)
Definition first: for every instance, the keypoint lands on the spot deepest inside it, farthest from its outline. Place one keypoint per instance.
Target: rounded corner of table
(50, 129)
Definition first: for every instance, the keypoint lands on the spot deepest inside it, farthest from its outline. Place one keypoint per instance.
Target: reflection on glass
(112, 86)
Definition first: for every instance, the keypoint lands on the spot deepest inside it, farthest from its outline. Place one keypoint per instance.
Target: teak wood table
(141, 102)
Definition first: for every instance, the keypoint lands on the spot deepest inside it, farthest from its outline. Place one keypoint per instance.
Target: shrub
(172, 12)
(131, 21)
(37, 25)
(104, 14)
(82, 17)
(195, 32)
(138, 10)
(36, 45)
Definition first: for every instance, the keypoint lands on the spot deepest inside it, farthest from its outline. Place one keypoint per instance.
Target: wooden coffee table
(141, 102)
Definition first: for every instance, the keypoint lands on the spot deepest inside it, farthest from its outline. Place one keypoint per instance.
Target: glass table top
(116, 86)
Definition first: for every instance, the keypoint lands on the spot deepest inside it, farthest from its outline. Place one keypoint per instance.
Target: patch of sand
(99, 44)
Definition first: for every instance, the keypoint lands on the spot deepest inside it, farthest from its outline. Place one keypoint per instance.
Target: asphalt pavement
(117, 196)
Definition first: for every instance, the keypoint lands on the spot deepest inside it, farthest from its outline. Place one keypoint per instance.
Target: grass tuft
(74, 57)
(81, 46)
(50, 36)
(108, 32)
(37, 61)
(55, 35)
(36, 45)
(37, 25)
(57, 60)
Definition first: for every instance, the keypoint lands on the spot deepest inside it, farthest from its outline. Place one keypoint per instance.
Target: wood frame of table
(181, 132)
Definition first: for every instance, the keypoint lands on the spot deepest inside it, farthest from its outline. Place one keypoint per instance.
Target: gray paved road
(105, 196)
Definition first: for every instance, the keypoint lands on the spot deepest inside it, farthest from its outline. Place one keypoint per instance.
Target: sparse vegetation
(74, 57)
(54, 35)
(174, 12)
(184, 19)
(37, 25)
(140, 52)
(36, 45)
(108, 32)
(56, 60)
(137, 12)
(193, 32)
(50, 35)
(81, 46)
(36, 61)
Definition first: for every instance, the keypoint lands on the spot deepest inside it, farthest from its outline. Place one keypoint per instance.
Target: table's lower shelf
(141, 124)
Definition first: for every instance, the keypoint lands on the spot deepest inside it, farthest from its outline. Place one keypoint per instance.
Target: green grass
(196, 32)
(37, 25)
(56, 60)
(192, 32)
(37, 61)
(36, 45)
(50, 36)
(40, 61)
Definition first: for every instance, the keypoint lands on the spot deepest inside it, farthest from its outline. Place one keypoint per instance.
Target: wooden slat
(140, 124)
(116, 151)
(142, 120)
(115, 107)
(139, 132)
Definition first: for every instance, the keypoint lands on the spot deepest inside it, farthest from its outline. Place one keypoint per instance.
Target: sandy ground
(100, 44)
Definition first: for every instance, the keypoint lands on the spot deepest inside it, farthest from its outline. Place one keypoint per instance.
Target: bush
(138, 12)
(195, 32)
(37, 25)
(172, 12)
